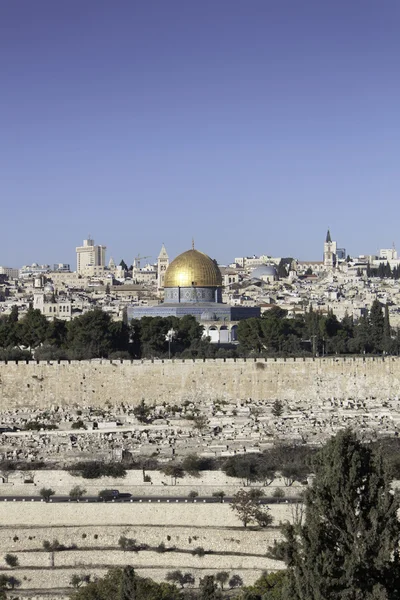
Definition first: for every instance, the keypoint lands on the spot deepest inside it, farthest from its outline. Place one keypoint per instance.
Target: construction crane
(137, 259)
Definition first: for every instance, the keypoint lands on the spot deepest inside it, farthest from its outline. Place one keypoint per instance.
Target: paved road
(144, 499)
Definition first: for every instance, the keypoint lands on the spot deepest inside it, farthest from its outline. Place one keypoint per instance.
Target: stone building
(50, 305)
(90, 258)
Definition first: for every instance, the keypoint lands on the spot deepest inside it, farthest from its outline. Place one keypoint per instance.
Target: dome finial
(192, 243)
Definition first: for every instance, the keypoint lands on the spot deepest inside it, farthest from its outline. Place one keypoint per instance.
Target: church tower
(162, 266)
(330, 252)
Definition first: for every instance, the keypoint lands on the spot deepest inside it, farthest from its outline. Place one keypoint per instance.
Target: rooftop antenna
(192, 243)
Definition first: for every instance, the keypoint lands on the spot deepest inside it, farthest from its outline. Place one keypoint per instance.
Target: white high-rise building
(90, 259)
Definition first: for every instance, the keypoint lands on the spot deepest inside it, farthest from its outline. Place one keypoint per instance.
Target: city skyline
(152, 259)
(250, 126)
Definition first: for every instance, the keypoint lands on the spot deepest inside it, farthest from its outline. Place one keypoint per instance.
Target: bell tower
(162, 266)
(330, 251)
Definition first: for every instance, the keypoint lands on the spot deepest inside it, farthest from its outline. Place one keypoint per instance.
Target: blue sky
(251, 125)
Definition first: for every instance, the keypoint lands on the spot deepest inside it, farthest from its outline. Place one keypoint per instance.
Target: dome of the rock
(192, 269)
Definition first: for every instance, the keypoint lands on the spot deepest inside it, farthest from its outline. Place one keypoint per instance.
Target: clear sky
(251, 125)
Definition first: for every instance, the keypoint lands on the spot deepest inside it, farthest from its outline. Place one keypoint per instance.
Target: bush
(193, 494)
(11, 560)
(54, 546)
(235, 581)
(199, 551)
(278, 493)
(128, 544)
(78, 425)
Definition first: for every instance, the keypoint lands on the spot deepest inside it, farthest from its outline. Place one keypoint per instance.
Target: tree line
(318, 334)
(384, 271)
(95, 335)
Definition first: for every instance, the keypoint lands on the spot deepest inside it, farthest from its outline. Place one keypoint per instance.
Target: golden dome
(192, 269)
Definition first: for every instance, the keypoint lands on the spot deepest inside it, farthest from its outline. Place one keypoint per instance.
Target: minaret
(162, 266)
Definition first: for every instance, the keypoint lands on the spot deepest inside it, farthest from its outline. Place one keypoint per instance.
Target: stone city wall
(102, 382)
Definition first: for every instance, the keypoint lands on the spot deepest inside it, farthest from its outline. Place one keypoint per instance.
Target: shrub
(199, 551)
(129, 544)
(78, 425)
(278, 493)
(193, 494)
(53, 546)
(235, 581)
(11, 560)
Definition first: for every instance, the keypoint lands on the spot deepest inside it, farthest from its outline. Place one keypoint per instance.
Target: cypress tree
(348, 547)
(376, 320)
(209, 589)
(127, 590)
(387, 338)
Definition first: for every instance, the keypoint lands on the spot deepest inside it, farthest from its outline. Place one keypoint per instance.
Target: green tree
(192, 464)
(9, 329)
(387, 344)
(46, 493)
(277, 408)
(77, 580)
(56, 334)
(248, 508)
(91, 335)
(111, 587)
(235, 581)
(209, 589)
(245, 466)
(222, 578)
(33, 328)
(250, 335)
(127, 587)
(176, 577)
(348, 547)
(271, 586)
(77, 492)
(377, 326)
(173, 471)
